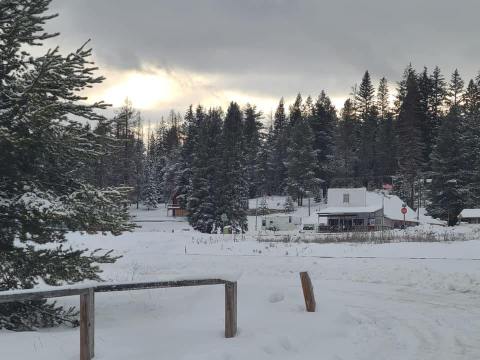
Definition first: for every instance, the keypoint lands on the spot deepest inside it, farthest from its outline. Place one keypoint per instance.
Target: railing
(87, 303)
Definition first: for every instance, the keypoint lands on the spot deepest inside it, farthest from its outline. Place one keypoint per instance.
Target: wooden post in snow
(230, 309)
(308, 292)
(87, 325)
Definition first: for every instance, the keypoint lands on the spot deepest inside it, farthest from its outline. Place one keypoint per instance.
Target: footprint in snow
(276, 297)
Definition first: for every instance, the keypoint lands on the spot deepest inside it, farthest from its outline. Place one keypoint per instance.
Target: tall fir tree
(234, 186)
(346, 150)
(44, 152)
(323, 120)
(279, 147)
(385, 140)
(455, 89)
(252, 146)
(448, 191)
(367, 115)
(203, 201)
(410, 146)
(301, 157)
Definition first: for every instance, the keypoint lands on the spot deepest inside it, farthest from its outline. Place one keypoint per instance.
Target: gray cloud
(277, 47)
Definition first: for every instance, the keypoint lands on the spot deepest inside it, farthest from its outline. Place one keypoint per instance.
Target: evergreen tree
(448, 191)
(410, 152)
(234, 186)
(385, 142)
(296, 113)
(425, 119)
(289, 206)
(455, 90)
(322, 120)
(346, 146)
(265, 171)
(301, 158)
(367, 115)
(44, 152)
(252, 146)
(183, 180)
(470, 145)
(279, 147)
(203, 201)
(402, 88)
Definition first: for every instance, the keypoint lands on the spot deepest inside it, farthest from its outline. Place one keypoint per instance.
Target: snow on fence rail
(87, 303)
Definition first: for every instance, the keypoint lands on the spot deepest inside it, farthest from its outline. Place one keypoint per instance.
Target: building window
(358, 222)
(346, 198)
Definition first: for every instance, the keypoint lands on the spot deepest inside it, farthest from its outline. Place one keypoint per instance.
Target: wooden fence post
(87, 325)
(308, 292)
(230, 309)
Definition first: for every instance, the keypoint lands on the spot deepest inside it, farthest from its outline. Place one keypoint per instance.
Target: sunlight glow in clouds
(144, 90)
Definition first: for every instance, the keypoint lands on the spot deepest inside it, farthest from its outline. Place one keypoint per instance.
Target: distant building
(471, 216)
(281, 222)
(174, 208)
(356, 209)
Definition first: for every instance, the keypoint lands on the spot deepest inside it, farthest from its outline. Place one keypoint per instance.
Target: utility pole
(256, 213)
(383, 212)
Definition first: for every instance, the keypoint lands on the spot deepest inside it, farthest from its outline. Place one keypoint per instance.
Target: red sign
(404, 210)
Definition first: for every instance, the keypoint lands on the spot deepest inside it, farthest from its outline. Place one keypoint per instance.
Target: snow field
(388, 307)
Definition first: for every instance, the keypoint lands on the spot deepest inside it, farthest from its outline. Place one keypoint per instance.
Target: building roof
(392, 206)
(470, 213)
(349, 210)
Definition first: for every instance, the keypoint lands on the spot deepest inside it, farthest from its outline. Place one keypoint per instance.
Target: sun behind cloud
(146, 90)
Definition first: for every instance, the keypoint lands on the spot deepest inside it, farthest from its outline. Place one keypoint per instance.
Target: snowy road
(389, 307)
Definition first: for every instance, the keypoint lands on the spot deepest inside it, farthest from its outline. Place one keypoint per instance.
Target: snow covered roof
(470, 213)
(345, 210)
(392, 207)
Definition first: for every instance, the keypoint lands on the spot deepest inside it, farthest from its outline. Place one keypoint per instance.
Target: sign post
(404, 211)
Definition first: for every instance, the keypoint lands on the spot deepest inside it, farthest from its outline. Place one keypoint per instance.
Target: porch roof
(346, 211)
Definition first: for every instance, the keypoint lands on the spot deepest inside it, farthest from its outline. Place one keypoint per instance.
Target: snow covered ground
(373, 301)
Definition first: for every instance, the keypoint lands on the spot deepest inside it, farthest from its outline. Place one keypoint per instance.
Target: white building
(281, 222)
(471, 216)
(359, 209)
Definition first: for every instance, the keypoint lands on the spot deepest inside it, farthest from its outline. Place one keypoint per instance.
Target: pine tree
(289, 206)
(346, 146)
(296, 113)
(252, 146)
(301, 158)
(265, 170)
(410, 151)
(234, 186)
(367, 115)
(385, 141)
(322, 120)
(279, 143)
(402, 88)
(204, 197)
(44, 152)
(183, 180)
(455, 89)
(448, 192)
(427, 127)
(470, 132)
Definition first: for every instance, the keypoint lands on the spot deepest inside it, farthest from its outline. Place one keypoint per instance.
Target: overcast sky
(165, 54)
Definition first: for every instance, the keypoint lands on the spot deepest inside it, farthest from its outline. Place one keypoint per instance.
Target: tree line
(422, 139)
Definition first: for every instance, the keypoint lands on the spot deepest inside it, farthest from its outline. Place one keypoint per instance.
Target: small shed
(471, 216)
(174, 208)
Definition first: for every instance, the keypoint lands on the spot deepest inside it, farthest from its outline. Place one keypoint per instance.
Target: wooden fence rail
(87, 303)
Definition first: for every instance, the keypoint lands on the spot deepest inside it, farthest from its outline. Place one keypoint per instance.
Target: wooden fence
(87, 303)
